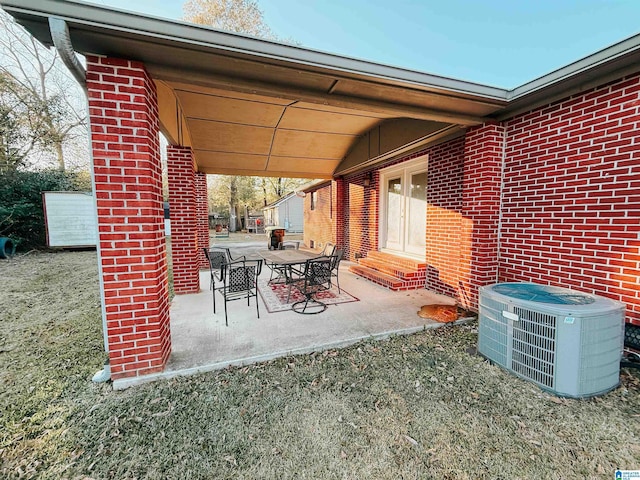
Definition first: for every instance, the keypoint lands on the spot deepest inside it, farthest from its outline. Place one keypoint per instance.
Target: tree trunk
(60, 155)
(264, 192)
(233, 201)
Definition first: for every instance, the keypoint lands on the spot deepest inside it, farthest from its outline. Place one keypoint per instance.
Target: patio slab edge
(124, 383)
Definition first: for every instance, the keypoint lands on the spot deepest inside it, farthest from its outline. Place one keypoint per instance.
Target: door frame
(385, 174)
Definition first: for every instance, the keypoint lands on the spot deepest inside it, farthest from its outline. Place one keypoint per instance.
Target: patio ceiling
(254, 107)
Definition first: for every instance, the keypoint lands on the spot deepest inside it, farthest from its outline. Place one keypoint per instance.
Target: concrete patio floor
(201, 342)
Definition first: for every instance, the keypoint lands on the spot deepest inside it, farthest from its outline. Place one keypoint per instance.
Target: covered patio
(201, 342)
(228, 104)
(513, 181)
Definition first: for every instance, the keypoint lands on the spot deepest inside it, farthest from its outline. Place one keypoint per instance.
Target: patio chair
(239, 281)
(329, 249)
(316, 278)
(217, 256)
(335, 265)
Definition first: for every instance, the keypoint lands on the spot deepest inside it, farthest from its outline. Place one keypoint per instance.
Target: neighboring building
(286, 212)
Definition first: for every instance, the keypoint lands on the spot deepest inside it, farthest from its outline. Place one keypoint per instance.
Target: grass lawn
(411, 407)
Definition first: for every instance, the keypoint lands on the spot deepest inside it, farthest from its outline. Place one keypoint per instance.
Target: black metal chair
(239, 281)
(335, 265)
(316, 278)
(217, 256)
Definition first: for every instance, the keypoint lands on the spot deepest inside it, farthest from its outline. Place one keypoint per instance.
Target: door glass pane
(394, 210)
(417, 225)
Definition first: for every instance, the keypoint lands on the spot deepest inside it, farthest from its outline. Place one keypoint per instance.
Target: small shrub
(21, 211)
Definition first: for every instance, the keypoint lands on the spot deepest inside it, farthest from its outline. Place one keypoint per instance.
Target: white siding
(289, 213)
(292, 214)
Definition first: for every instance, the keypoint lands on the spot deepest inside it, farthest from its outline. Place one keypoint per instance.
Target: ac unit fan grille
(533, 347)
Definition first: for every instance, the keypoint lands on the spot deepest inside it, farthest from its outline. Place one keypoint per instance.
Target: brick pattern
(571, 208)
(184, 225)
(318, 222)
(338, 212)
(481, 188)
(202, 217)
(444, 217)
(360, 207)
(126, 162)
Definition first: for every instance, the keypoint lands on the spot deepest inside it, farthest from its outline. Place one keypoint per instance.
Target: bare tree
(40, 83)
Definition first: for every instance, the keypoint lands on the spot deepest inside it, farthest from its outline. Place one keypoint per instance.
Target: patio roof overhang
(255, 107)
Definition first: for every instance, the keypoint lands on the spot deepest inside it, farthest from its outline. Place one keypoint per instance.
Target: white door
(403, 208)
(395, 213)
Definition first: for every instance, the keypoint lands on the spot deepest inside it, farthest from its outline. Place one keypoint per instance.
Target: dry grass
(410, 407)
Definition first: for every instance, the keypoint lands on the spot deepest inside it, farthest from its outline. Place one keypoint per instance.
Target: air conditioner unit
(565, 341)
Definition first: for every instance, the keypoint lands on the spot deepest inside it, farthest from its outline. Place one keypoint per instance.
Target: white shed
(70, 219)
(288, 212)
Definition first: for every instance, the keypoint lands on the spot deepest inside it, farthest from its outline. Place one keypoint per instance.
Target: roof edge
(590, 62)
(200, 35)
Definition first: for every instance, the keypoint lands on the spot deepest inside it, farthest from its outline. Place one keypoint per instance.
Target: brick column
(184, 228)
(338, 212)
(202, 217)
(482, 181)
(123, 115)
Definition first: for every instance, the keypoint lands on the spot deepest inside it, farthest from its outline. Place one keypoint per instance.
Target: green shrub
(21, 211)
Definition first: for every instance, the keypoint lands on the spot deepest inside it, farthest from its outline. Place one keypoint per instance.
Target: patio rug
(275, 296)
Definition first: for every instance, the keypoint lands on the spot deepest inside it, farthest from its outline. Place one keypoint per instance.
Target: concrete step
(391, 259)
(389, 281)
(401, 272)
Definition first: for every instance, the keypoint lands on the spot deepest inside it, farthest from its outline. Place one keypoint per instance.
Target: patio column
(202, 217)
(131, 246)
(184, 228)
(482, 183)
(338, 212)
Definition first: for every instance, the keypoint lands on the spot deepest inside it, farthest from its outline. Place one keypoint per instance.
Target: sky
(492, 42)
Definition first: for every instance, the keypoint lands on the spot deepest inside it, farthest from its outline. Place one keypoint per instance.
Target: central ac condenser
(565, 341)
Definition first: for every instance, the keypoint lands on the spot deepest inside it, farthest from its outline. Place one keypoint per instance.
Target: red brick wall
(126, 162)
(444, 217)
(338, 212)
(184, 225)
(483, 157)
(361, 214)
(318, 223)
(202, 217)
(571, 209)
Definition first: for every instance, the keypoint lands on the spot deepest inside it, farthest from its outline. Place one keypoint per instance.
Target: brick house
(463, 184)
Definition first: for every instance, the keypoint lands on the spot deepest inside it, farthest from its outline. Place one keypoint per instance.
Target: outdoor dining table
(285, 261)
(287, 257)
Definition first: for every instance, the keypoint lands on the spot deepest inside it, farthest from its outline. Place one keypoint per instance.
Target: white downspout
(62, 41)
